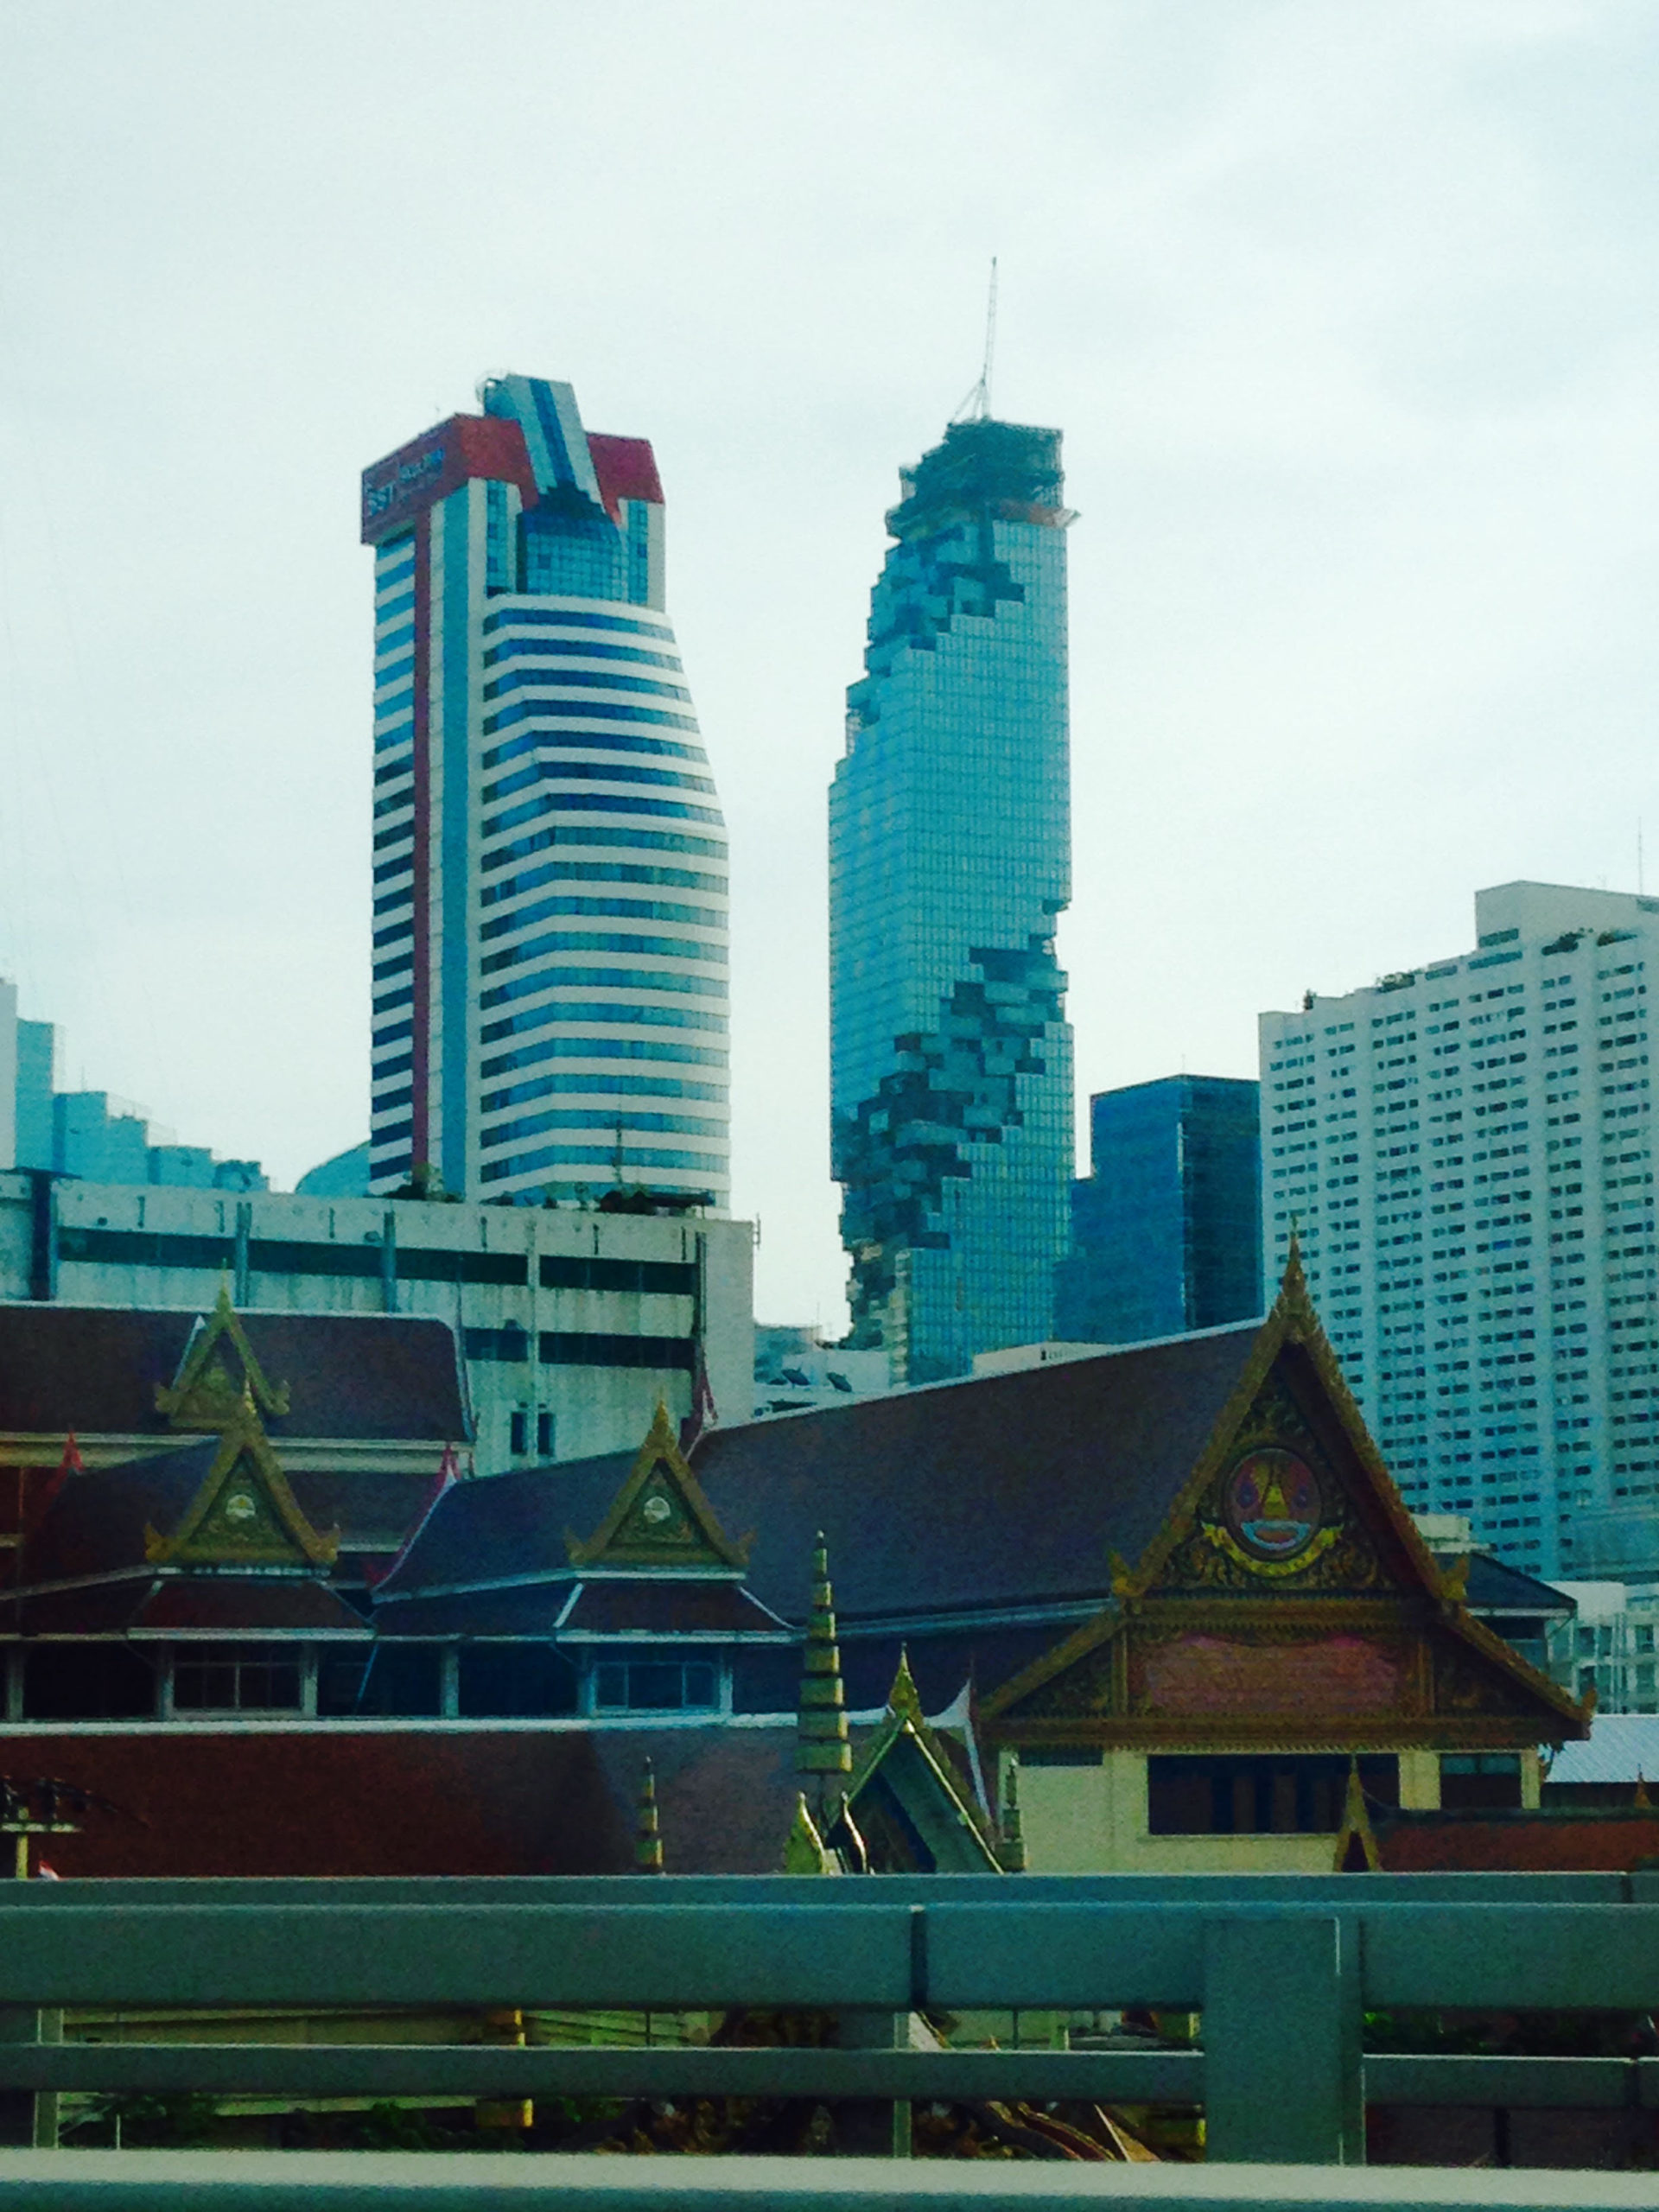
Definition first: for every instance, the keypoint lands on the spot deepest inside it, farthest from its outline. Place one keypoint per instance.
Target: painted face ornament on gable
(1273, 1505)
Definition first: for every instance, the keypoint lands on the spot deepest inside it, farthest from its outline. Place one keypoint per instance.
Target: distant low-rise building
(344, 1175)
(794, 1367)
(573, 1323)
(89, 1133)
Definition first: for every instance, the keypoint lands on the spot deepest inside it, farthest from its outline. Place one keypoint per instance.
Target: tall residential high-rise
(949, 853)
(1166, 1228)
(1467, 1150)
(549, 1003)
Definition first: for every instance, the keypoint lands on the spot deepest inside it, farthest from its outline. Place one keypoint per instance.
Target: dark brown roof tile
(1001, 1491)
(95, 1369)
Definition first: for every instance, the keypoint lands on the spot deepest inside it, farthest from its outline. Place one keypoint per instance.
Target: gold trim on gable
(1366, 1573)
(204, 1393)
(905, 1719)
(244, 1514)
(660, 1518)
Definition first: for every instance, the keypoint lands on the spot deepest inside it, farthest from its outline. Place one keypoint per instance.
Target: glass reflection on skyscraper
(950, 847)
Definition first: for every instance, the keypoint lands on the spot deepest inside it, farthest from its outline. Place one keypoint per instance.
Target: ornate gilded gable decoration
(1273, 1515)
(660, 1518)
(1287, 1597)
(245, 1514)
(1267, 1508)
(218, 1370)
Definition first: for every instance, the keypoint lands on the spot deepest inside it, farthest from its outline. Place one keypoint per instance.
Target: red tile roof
(335, 1801)
(1555, 1841)
(96, 1522)
(667, 1608)
(242, 1605)
(725, 1797)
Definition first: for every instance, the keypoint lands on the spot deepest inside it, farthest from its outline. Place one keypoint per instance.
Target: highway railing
(1281, 1969)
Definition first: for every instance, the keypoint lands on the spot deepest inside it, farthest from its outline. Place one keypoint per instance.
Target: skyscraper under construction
(950, 852)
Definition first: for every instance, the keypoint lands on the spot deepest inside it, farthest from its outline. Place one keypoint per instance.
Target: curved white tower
(550, 887)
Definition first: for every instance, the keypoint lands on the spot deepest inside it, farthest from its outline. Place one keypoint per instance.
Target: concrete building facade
(572, 1325)
(1465, 1150)
(1610, 1646)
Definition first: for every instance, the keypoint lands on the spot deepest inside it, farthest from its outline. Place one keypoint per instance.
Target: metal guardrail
(298, 2181)
(1280, 1968)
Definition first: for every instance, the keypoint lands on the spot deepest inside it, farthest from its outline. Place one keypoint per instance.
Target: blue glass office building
(1166, 1230)
(950, 853)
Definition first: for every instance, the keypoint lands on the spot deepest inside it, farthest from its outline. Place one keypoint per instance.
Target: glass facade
(949, 847)
(1166, 1228)
(529, 699)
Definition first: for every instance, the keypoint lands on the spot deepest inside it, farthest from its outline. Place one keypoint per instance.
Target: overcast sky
(1347, 313)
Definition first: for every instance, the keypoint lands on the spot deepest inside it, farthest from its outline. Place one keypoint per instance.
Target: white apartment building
(1611, 1646)
(1466, 1150)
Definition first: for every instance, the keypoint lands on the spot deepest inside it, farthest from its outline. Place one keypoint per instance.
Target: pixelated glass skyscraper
(950, 851)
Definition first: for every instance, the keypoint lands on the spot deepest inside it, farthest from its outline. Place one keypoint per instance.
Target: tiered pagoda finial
(821, 1745)
(647, 1834)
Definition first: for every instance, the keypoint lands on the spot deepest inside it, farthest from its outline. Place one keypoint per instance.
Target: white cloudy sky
(1347, 311)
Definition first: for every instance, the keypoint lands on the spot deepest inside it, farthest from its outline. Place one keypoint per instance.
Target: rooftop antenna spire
(977, 406)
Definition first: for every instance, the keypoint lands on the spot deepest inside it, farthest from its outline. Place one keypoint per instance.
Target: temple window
(340, 1679)
(396, 1681)
(87, 1682)
(1480, 1779)
(1257, 1794)
(514, 1681)
(657, 1686)
(237, 1678)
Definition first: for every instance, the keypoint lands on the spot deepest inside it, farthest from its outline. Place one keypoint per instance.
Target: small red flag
(704, 1413)
(449, 1475)
(71, 1464)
